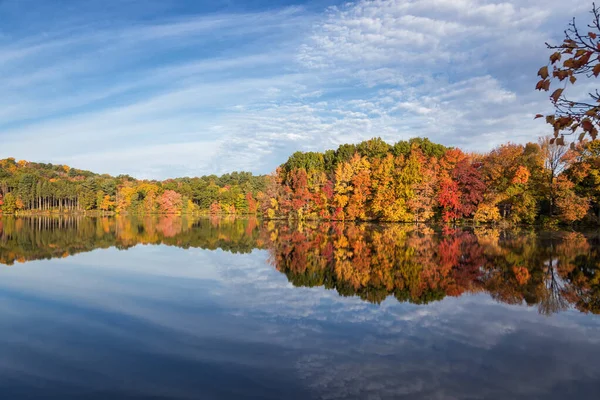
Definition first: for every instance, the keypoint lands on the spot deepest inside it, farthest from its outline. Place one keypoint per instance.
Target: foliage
(409, 181)
(570, 207)
(29, 188)
(419, 181)
(170, 202)
(578, 57)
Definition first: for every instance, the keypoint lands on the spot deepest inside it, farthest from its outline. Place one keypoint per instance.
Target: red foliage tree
(170, 202)
(298, 179)
(449, 199)
(471, 186)
(252, 203)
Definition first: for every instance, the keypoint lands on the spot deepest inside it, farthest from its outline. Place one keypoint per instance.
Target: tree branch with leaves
(577, 57)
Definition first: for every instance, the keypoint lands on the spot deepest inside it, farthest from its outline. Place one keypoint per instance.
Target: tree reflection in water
(418, 264)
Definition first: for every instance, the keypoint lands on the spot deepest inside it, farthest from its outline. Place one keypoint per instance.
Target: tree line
(28, 187)
(408, 181)
(420, 181)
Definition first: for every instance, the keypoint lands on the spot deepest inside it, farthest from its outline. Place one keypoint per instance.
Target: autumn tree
(470, 185)
(358, 187)
(252, 203)
(570, 207)
(300, 197)
(9, 205)
(509, 187)
(424, 201)
(106, 204)
(170, 202)
(556, 160)
(449, 199)
(393, 183)
(584, 172)
(215, 208)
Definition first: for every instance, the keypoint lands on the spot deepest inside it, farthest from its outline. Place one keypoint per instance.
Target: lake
(226, 308)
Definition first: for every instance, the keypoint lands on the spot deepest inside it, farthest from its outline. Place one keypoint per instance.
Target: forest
(37, 188)
(420, 181)
(408, 181)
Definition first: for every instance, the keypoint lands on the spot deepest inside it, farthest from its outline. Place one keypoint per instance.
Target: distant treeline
(28, 187)
(409, 181)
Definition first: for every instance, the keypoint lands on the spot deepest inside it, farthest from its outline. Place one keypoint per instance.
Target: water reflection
(160, 322)
(551, 270)
(28, 239)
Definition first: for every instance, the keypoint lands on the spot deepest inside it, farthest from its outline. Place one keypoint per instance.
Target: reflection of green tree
(37, 238)
(425, 298)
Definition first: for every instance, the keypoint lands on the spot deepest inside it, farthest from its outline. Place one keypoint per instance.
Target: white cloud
(272, 82)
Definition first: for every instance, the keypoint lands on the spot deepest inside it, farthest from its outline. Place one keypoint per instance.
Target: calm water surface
(176, 308)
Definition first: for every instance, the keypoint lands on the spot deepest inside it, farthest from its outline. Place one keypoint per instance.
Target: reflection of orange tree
(578, 266)
(374, 262)
(418, 265)
(410, 262)
(537, 269)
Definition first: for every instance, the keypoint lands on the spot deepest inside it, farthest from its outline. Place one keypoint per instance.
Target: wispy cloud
(105, 87)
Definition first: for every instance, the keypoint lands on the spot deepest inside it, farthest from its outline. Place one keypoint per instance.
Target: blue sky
(165, 88)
